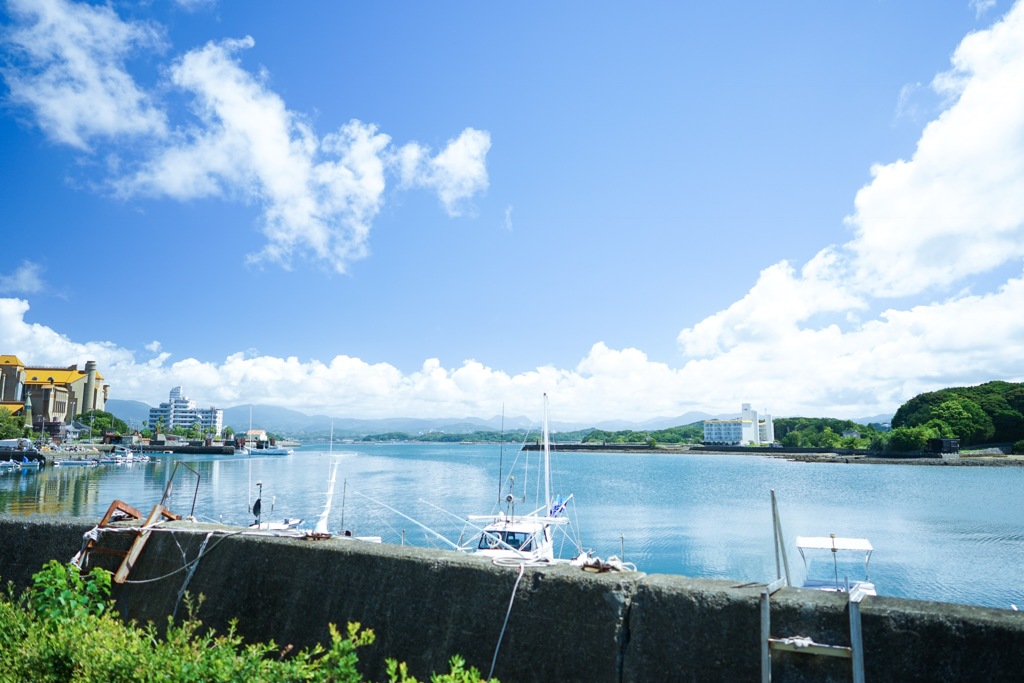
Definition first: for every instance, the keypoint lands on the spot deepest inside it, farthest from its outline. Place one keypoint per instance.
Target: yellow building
(50, 396)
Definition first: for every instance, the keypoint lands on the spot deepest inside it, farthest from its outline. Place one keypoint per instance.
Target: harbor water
(951, 534)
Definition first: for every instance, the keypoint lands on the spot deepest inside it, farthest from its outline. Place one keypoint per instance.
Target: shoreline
(962, 461)
(989, 457)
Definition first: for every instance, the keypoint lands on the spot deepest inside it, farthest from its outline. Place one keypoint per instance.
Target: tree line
(992, 412)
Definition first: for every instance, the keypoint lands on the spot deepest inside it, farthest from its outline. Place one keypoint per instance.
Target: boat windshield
(517, 540)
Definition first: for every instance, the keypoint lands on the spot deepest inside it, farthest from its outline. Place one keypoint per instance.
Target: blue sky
(402, 209)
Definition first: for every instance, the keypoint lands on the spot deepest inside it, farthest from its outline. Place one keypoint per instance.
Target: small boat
(281, 525)
(67, 462)
(263, 448)
(508, 536)
(836, 545)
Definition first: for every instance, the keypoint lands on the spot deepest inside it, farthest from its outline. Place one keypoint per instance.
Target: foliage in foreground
(63, 629)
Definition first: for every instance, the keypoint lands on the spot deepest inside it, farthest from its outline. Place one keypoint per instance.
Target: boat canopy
(833, 543)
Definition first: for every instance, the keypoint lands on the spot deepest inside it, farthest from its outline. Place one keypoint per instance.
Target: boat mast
(332, 469)
(547, 458)
(501, 451)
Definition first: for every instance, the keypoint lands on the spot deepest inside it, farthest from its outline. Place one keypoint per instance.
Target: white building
(747, 429)
(181, 411)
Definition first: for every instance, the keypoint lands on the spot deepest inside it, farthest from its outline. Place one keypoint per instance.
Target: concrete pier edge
(565, 624)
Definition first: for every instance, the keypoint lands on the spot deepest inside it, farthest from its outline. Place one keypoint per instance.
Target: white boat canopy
(833, 543)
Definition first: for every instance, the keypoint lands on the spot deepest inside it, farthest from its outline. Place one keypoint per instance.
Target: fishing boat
(839, 582)
(531, 537)
(266, 448)
(66, 462)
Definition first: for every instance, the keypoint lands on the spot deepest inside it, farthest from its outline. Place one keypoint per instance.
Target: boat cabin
(525, 537)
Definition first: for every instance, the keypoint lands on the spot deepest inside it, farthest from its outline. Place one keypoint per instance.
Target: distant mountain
(132, 412)
(876, 419)
(296, 424)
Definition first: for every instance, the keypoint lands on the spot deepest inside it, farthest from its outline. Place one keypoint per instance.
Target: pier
(563, 623)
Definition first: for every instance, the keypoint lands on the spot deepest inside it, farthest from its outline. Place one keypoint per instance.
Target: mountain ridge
(295, 423)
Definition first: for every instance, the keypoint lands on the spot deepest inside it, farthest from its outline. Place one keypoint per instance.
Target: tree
(10, 427)
(966, 420)
(102, 421)
(907, 439)
(918, 410)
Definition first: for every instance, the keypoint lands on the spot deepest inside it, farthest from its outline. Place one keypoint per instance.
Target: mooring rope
(522, 569)
(191, 571)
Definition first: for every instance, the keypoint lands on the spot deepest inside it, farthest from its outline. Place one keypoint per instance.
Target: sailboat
(320, 529)
(508, 536)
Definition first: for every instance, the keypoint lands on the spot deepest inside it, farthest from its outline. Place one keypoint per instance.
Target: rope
(187, 565)
(522, 568)
(181, 592)
(81, 557)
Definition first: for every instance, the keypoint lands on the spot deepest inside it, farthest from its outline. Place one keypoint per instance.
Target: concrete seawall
(564, 624)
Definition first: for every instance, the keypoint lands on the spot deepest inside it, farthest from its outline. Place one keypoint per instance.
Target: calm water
(954, 534)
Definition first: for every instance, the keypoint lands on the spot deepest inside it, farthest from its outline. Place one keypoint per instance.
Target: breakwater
(564, 624)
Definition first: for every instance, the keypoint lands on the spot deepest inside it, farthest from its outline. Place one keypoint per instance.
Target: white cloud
(957, 207)
(71, 71)
(952, 213)
(319, 196)
(809, 372)
(27, 279)
(981, 6)
(457, 173)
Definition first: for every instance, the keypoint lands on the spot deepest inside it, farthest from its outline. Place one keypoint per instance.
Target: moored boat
(508, 536)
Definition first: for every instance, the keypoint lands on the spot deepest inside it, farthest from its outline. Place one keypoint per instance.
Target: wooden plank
(138, 544)
(785, 645)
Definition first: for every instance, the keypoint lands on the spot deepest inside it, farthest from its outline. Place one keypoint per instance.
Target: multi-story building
(50, 397)
(181, 411)
(744, 430)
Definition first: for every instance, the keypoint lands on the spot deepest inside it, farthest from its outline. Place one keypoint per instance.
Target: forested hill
(988, 413)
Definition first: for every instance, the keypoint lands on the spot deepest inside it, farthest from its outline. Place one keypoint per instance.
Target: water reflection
(940, 533)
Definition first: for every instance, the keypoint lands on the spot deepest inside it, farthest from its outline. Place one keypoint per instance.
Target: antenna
(501, 448)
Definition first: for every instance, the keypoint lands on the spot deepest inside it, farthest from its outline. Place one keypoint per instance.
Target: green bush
(1018, 447)
(63, 629)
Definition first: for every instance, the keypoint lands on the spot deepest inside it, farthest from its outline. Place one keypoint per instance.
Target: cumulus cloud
(26, 279)
(956, 208)
(70, 71)
(456, 173)
(319, 195)
(940, 220)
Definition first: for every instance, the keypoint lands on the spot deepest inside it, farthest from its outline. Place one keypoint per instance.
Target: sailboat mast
(547, 457)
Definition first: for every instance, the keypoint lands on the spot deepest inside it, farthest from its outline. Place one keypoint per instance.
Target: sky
(449, 209)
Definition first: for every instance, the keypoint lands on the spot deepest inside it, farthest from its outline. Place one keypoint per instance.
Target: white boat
(267, 449)
(66, 462)
(512, 537)
(280, 525)
(834, 545)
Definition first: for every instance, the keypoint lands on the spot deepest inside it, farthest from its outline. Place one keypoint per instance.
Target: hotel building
(746, 429)
(181, 411)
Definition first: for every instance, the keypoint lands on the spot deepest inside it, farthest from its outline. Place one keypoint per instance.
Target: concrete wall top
(565, 624)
